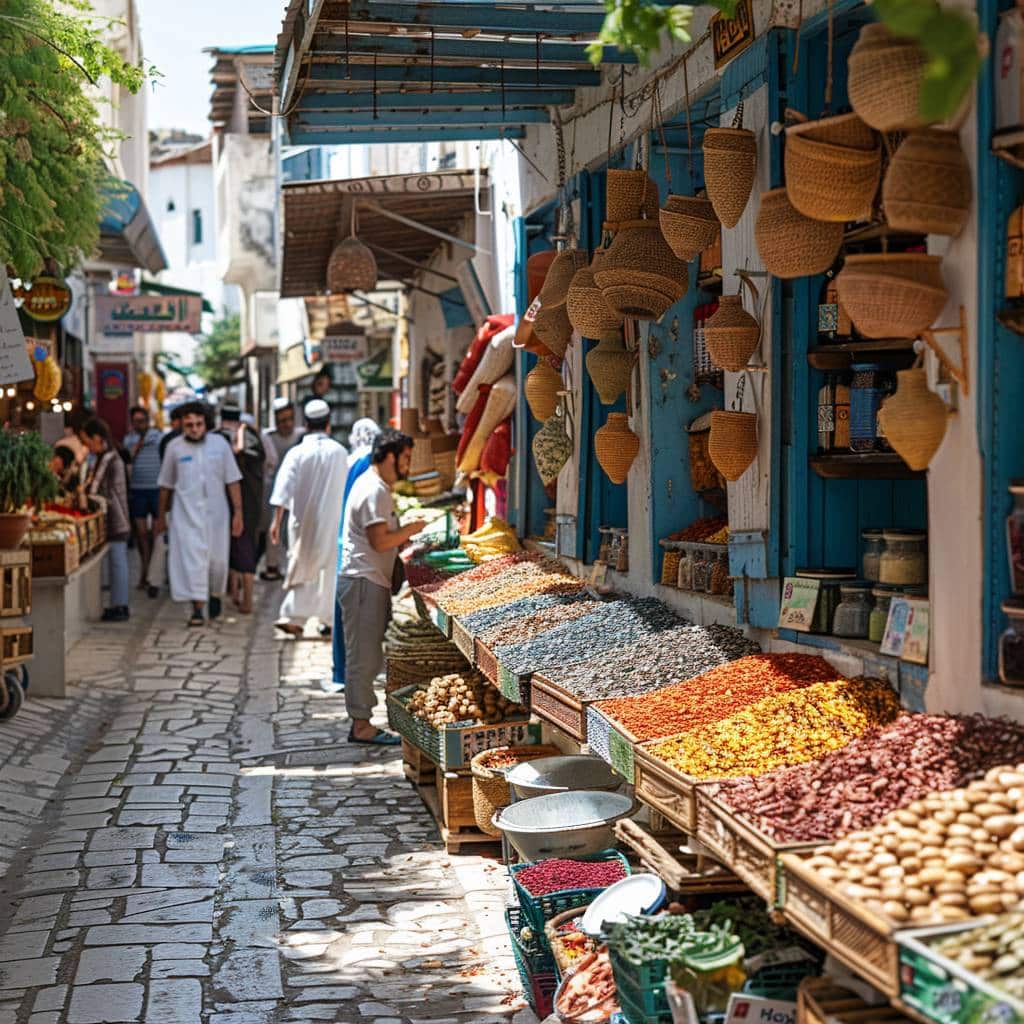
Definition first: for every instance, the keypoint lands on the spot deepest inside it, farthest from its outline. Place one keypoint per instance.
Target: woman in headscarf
(360, 439)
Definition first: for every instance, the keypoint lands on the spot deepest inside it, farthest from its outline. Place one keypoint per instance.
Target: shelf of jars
(895, 353)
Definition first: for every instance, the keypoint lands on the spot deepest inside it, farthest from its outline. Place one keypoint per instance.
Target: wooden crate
(418, 768)
(54, 559)
(464, 640)
(15, 582)
(611, 741)
(82, 533)
(822, 1001)
(862, 940)
(735, 842)
(450, 801)
(485, 660)
(515, 685)
(15, 645)
(667, 790)
(559, 707)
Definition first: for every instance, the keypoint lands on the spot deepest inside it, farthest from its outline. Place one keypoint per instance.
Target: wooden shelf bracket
(959, 373)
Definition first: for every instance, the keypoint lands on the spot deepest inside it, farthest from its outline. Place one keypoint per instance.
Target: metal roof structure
(242, 67)
(431, 70)
(402, 218)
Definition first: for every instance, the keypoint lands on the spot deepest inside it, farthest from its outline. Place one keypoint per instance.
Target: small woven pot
(627, 194)
(490, 789)
(792, 245)
(730, 163)
(553, 330)
(588, 312)
(833, 168)
(541, 388)
(559, 277)
(732, 334)
(689, 225)
(882, 303)
(410, 420)
(733, 442)
(927, 188)
(352, 267)
(885, 75)
(609, 365)
(908, 266)
(914, 419)
(551, 448)
(639, 276)
(616, 447)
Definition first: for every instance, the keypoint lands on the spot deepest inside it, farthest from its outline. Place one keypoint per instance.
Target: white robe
(200, 519)
(310, 484)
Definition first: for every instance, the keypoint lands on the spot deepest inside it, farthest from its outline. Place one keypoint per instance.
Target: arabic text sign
(125, 314)
(730, 36)
(799, 599)
(15, 365)
(343, 348)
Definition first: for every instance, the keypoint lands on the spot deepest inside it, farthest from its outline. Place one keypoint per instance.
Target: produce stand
(668, 791)
(558, 707)
(16, 638)
(611, 742)
(463, 639)
(15, 583)
(822, 1001)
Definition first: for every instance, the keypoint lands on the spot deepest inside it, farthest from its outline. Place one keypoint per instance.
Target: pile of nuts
(461, 698)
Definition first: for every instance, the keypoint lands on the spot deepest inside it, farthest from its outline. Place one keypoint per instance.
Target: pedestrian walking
(171, 434)
(364, 432)
(109, 480)
(310, 486)
(277, 440)
(197, 468)
(372, 537)
(250, 456)
(142, 443)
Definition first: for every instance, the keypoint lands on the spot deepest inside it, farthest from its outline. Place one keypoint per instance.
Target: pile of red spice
(717, 694)
(547, 876)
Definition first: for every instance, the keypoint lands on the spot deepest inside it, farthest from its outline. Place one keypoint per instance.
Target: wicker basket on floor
(490, 790)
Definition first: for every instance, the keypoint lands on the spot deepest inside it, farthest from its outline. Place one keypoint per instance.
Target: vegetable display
(786, 729)
(881, 771)
(461, 698)
(559, 874)
(948, 857)
(641, 940)
(716, 694)
(994, 952)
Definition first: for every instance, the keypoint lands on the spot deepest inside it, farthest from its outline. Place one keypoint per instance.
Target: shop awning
(293, 365)
(402, 218)
(431, 70)
(127, 234)
(155, 288)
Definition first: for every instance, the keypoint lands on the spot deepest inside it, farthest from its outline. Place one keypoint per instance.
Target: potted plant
(25, 479)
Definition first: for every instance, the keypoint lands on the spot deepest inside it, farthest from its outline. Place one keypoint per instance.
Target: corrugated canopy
(393, 213)
(431, 69)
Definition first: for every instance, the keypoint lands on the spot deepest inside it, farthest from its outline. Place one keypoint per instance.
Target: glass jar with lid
(684, 575)
(718, 577)
(874, 542)
(880, 611)
(829, 581)
(853, 613)
(1011, 644)
(700, 571)
(904, 559)
(1015, 537)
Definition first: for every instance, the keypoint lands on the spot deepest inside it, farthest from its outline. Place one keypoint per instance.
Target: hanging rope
(831, 47)
(689, 119)
(799, 26)
(660, 114)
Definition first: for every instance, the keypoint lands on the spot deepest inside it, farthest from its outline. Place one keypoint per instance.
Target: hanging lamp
(352, 266)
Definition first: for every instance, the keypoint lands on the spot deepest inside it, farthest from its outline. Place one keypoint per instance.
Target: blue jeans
(117, 565)
(338, 644)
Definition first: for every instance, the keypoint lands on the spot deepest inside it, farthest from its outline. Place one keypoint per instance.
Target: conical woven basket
(556, 284)
(609, 365)
(410, 420)
(885, 306)
(927, 188)
(885, 75)
(351, 267)
(914, 419)
(639, 276)
(689, 225)
(552, 328)
(732, 334)
(490, 789)
(733, 442)
(833, 168)
(792, 245)
(627, 194)
(541, 388)
(588, 312)
(730, 163)
(616, 447)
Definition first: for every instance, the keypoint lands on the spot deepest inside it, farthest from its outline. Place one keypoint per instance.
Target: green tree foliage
(52, 141)
(949, 38)
(218, 350)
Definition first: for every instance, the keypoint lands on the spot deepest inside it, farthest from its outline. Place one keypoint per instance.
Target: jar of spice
(866, 391)
(853, 613)
(874, 542)
(829, 581)
(880, 612)
(670, 568)
(622, 551)
(684, 575)
(700, 572)
(1015, 537)
(904, 560)
(1011, 644)
(718, 577)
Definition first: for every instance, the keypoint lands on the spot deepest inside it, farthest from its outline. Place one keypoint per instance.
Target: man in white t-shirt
(370, 541)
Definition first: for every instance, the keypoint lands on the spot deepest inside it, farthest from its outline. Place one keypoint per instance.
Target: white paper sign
(15, 365)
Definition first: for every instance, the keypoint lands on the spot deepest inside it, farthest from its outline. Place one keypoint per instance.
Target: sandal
(271, 575)
(382, 739)
(288, 627)
(196, 619)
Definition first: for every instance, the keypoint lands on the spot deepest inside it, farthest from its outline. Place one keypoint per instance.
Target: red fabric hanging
(492, 325)
(472, 421)
(498, 450)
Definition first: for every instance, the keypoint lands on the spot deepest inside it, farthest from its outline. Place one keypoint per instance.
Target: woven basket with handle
(588, 312)
(689, 225)
(639, 276)
(927, 188)
(541, 388)
(884, 306)
(790, 244)
(733, 442)
(732, 334)
(886, 73)
(627, 193)
(490, 790)
(609, 365)
(730, 163)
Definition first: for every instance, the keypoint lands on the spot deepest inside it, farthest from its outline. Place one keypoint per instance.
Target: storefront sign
(744, 1009)
(15, 365)
(907, 630)
(731, 36)
(343, 348)
(125, 314)
(799, 599)
(46, 299)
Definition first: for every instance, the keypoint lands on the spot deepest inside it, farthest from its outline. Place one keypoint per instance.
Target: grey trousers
(277, 554)
(366, 612)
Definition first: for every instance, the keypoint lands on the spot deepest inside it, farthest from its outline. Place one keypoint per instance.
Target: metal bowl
(575, 824)
(560, 775)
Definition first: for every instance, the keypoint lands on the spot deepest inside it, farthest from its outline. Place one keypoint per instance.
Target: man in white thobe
(200, 473)
(310, 486)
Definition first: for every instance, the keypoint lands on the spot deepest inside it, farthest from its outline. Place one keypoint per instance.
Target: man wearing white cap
(277, 440)
(310, 485)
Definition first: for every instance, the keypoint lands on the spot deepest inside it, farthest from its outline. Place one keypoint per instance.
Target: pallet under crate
(450, 801)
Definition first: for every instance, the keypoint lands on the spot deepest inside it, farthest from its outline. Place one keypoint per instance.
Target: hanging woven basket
(885, 75)
(914, 419)
(552, 448)
(689, 225)
(730, 164)
(553, 330)
(627, 194)
(616, 447)
(588, 312)
(927, 188)
(833, 167)
(891, 296)
(559, 277)
(639, 276)
(609, 365)
(733, 442)
(352, 267)
(541, 388)
(790, 244)
(732, 334)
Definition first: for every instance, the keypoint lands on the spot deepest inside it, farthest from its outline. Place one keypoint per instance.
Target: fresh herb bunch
(25, 474)
(749, 919)
(643, 939)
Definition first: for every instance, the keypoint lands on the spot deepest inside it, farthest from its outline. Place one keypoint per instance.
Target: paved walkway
(189, 839)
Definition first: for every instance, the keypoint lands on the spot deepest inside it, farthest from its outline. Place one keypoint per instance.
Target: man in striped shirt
(143, 447)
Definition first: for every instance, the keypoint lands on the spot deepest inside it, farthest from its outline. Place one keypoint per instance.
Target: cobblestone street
(188, 838)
